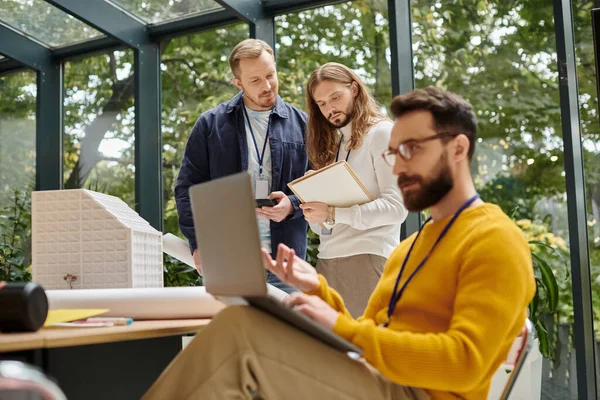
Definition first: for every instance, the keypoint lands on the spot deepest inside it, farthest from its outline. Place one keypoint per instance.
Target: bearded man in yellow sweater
(441, 320)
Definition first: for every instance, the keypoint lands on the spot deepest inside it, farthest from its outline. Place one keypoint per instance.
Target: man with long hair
(345, 123)
(256, 132)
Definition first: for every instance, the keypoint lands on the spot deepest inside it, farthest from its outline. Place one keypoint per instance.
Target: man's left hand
(279, 212)
(315, 212)
(313, 307)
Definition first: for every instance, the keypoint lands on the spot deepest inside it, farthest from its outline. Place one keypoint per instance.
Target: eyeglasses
(408, 149)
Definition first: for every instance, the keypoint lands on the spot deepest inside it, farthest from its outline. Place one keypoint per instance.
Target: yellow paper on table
(66, 315)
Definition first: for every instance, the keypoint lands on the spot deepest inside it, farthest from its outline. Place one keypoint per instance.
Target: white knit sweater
(374, 227)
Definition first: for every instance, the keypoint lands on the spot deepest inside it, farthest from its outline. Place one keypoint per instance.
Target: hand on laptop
(196, 256)
(313, 307)
(291, 270)
(280, 211)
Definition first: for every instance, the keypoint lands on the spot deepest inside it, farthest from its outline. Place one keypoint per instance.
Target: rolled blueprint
(179, 249)
(140, 303)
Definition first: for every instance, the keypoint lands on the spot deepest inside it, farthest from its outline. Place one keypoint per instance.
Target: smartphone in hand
(265, 203)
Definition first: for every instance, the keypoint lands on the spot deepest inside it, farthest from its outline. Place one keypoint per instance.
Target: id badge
(326, 232)
(261, 185)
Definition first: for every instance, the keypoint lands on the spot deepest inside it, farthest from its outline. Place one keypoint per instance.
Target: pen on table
(114, 320)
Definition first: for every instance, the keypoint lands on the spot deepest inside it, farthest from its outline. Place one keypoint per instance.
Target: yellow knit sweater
(459, 315)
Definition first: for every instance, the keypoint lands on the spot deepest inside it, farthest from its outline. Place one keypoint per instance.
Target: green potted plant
(548, 252)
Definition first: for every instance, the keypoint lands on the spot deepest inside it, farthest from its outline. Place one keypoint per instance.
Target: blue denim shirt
(217, 147)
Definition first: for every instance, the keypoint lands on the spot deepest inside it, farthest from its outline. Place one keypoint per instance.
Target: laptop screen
(227, 235)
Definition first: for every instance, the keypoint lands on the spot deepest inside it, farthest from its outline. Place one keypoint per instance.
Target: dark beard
(431, 192)
(348, 114)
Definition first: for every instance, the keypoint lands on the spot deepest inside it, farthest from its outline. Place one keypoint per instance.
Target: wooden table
(64, 337)
(118, 362)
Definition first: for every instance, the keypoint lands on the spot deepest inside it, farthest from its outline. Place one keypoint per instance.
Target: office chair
(525, 346)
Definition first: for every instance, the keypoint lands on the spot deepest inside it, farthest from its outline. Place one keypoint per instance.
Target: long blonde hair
(322, 137)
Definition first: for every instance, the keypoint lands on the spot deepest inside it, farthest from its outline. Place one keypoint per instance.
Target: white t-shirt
(260, 124)
(374, 227)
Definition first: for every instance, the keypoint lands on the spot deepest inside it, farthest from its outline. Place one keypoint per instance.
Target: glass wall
(99, 125)
(17, 173)
(195, 78)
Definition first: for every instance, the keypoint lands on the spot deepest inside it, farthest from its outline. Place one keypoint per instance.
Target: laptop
(232, 263)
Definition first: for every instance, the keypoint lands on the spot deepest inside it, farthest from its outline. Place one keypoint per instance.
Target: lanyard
(396, 296)
(337, 156)
(260, 155)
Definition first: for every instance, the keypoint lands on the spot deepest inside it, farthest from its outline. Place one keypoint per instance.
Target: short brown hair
(249, 48)
(450, 111)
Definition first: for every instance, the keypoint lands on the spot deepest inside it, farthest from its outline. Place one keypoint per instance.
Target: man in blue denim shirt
(255, 132)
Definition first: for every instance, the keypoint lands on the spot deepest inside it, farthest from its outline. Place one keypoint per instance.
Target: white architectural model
(83, 240)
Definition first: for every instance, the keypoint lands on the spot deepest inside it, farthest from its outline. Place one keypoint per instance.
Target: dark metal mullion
(249, 11)
(262, 26)
(273, 8)
(76, 51)
(49, 128)
(106, 18)
(583, 332)
(264, 29)
(403, 80)
(9, 66)
(24, 50)
(148, 140)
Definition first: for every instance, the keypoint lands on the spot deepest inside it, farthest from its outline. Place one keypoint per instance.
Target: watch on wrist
(330, 216)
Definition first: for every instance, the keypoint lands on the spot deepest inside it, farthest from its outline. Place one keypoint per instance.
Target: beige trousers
(245, 353)
(354, 278)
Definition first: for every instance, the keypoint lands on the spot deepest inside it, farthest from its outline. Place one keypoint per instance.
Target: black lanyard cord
(260, 155)
(396, 296)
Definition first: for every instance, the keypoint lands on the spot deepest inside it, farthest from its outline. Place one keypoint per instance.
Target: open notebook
(336, 185)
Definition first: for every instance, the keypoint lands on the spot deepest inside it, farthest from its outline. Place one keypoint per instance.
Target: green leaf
(544, 340)
(549, 281)
(185, 269)
(555, 251)
(533, 306)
